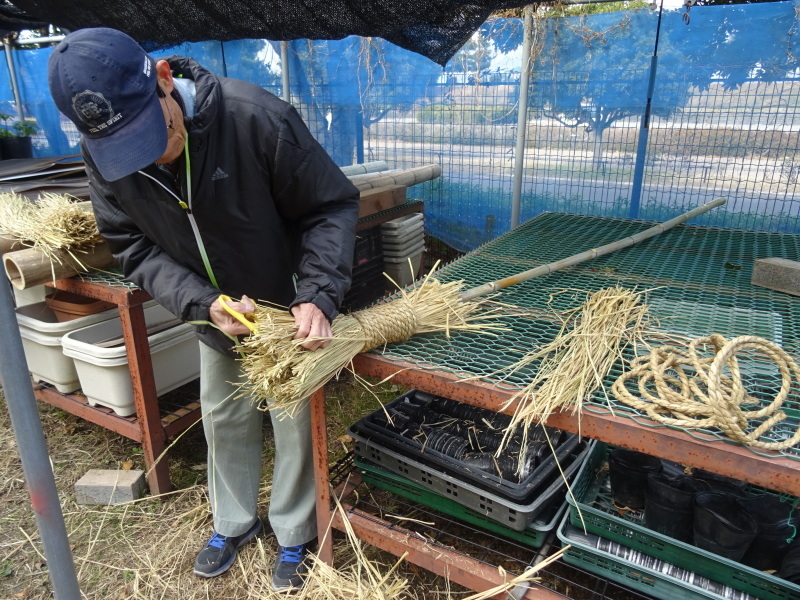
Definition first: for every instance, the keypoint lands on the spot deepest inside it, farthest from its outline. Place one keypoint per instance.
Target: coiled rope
(688, 388)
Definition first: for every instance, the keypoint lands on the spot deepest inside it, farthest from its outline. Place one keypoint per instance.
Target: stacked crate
(368, 283)
(403, 244)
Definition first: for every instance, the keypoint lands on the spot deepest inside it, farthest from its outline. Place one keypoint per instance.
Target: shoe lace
(217, 540)
(291, 554)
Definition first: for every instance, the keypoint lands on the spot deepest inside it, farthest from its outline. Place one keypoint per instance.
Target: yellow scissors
(246, 319)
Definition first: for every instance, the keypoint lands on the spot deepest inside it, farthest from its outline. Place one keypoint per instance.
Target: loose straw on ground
(577, 361)
(362, 579)
(701, 386)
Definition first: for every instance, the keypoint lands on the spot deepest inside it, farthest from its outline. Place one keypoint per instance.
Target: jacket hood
(209, 92)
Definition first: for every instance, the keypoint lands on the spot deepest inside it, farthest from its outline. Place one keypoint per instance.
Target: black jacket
(271, 207)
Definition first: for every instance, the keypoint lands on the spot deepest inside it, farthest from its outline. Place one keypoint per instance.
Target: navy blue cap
(104, 82)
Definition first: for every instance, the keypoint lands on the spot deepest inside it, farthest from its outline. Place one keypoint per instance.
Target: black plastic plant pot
(778, 522)
(722, 525)
(713, 482)
(628, 471)
(790, 565)
(676, 492)
(669, 520)
(16, 147)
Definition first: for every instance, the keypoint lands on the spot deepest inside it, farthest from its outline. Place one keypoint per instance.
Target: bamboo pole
(405, 177)
(30, 267)
(365, 168)
(9, 245)
(493, 286)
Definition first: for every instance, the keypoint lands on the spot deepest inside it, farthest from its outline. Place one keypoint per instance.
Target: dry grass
(576, 362)
(145, 550)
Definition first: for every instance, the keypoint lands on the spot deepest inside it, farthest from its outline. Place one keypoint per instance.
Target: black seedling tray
(449, 428)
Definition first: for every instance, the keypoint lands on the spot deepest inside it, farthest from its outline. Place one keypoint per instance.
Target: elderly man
(203, 186)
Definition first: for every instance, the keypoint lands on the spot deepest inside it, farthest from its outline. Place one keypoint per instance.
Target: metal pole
(33, 453)
(644, 129)
(14, 85)
(287, 94)
(522, 118)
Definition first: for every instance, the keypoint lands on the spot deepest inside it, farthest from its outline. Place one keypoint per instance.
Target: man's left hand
(311, 323)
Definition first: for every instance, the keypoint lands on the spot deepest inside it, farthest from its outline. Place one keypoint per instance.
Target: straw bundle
(279, 369)
(575, 363)
(53, 223)
(58, 237)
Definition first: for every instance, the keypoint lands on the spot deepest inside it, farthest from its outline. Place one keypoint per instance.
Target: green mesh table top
(111, 277)
(697, 282)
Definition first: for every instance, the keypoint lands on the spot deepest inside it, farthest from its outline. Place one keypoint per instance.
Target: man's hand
(226, 322)
(311, 323)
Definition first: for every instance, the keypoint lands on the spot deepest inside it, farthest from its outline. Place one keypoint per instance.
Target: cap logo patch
(93, 109)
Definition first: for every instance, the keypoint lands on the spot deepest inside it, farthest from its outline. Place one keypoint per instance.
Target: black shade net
(433, 29)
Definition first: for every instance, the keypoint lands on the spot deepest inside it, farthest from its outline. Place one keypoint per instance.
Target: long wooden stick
(493, 286)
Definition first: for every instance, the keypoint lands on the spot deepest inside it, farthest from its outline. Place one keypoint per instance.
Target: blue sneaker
(290, 570)
(217, 555)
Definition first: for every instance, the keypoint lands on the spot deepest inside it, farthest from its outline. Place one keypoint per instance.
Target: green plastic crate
(598, 519)
(534, 535)
(659, 579)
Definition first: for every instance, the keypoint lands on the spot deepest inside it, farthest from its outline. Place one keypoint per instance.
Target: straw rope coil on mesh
(701, 387)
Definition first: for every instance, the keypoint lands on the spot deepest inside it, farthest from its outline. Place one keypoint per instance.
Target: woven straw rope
(386, 323)
(705, 396)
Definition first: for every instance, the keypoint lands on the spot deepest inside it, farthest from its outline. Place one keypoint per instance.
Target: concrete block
(779, 274)
(108, 486)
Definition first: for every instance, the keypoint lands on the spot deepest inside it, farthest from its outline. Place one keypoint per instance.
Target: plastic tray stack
(637, 570)
(533, 535)
(593, 510)
(513, 504)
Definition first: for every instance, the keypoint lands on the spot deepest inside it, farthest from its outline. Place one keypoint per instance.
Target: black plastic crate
(438, 431)
(364, 293)
(516, 515)
(369, 246)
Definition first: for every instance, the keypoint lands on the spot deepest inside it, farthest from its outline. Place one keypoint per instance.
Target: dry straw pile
(577, 361)
(53, 223)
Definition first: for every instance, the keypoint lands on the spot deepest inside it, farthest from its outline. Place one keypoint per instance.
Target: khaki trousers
(233, 432)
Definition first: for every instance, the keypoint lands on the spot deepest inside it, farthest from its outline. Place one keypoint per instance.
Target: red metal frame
(147, 426)
(778, 473)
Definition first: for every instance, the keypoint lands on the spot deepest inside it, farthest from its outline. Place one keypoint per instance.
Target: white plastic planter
(104, 373)
(41, 339)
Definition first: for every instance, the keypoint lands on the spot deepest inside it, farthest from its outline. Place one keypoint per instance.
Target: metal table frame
(778, 473)
(147, 426)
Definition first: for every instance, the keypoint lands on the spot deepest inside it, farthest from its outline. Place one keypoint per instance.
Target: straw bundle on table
(278, 368)
(53, 223)
(58, 237)
(575, 363)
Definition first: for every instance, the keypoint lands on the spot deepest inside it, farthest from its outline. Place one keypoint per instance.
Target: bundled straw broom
(278, 368)
(58, 237)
